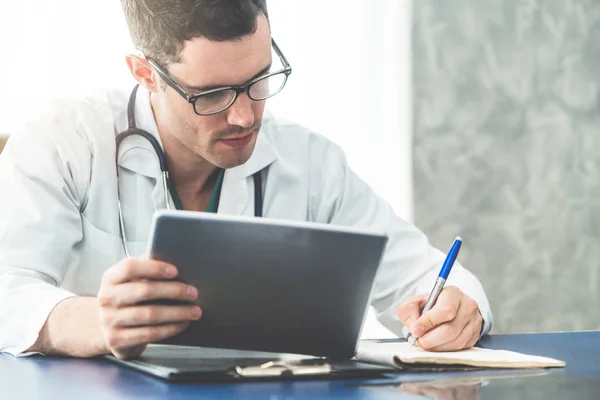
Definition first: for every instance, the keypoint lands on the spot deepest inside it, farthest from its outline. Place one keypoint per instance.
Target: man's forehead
(204, 62)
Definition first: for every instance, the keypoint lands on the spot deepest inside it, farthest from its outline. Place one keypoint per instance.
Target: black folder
(200, 364)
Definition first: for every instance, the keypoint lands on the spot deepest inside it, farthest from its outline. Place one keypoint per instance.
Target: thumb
(410, 311)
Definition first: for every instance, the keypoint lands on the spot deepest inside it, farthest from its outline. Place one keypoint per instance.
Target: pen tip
(459, 239)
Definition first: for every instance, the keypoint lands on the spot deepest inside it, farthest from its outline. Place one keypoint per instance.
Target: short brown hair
(159, 28)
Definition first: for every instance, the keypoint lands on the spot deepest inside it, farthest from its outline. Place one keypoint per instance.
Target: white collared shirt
(59, 226)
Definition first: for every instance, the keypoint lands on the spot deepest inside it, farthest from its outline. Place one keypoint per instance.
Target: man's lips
(239, 141)
(238, 137)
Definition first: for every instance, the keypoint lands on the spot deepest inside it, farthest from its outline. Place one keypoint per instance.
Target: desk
(55, 378)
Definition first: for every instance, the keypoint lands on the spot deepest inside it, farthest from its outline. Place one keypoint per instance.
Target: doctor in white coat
(66, 285)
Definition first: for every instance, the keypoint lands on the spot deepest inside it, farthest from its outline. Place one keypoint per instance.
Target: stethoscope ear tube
(132, 129)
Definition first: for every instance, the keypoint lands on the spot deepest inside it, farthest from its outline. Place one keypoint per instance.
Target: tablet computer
(270, 285)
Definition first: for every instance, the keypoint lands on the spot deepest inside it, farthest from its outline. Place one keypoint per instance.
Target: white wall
(57, 48)
(351, 81)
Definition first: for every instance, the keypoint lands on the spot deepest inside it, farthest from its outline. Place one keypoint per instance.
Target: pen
(440, 281)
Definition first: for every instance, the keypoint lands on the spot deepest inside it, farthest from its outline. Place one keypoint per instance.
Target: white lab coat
(59, 227)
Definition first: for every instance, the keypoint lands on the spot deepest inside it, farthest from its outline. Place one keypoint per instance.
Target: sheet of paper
(401, 354)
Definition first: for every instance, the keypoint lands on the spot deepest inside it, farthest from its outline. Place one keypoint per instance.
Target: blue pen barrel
(449, 262)
(441, 280)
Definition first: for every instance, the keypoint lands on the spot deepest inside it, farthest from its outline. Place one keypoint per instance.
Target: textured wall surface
(507, 151)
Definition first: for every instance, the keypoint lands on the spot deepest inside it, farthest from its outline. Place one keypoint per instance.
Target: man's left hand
(453, 323)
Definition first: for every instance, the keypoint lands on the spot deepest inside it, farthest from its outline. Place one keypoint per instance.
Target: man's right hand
(127, 321)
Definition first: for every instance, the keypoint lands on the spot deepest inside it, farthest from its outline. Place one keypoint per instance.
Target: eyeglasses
(217, 100)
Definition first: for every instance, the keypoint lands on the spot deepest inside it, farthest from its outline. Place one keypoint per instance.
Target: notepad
(404, 356)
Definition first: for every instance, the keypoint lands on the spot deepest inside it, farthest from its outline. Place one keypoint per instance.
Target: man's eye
(214, 96)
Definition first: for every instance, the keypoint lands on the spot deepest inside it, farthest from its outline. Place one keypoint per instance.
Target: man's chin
(233, 159)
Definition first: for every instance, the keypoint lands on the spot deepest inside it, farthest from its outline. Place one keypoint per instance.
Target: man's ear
(142, 72)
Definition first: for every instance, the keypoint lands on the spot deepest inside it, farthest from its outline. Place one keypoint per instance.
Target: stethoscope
(162, 160)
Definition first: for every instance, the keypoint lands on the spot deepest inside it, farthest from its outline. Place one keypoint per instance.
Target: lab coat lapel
(234, 195)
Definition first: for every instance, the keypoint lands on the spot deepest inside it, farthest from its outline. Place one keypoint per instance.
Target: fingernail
(191, 292)
(170, 271)
(196, 313)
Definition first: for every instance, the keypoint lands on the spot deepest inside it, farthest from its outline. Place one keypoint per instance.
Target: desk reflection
(467, 389)
(534, 385)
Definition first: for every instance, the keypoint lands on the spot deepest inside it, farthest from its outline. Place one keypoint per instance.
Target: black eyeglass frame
(192, 98)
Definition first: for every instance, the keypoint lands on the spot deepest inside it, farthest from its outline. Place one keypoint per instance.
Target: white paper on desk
(402, 354)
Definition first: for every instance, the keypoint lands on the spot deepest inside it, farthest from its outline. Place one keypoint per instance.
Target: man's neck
(193, 177)
(190, 175)
(186, 168)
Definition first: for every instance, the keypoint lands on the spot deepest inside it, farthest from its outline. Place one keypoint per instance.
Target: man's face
(226, 139)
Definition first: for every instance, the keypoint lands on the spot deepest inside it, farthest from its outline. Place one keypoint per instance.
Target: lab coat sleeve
(39, 226)
(410, 264)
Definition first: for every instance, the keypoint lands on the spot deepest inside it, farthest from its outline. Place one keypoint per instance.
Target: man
(66, 287)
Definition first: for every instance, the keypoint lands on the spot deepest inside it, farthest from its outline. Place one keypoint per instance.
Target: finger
(155, 315)
(132, 293)
(468, 313)
(129, 352)
(138, 268)
(461, 342)
(440, 335)
(476, 335)
(126, 339)
(447, 331)
(444, 310)
(410, 311)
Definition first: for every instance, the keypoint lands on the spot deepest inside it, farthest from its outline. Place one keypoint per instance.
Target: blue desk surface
(65, 378)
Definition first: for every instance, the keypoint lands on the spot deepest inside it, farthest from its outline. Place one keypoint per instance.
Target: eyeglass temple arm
(168, 79)
(284, 60)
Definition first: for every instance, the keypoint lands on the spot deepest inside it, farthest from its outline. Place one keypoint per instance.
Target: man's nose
(241, 113)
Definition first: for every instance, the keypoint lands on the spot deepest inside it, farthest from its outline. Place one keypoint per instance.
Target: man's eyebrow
(206, 88)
